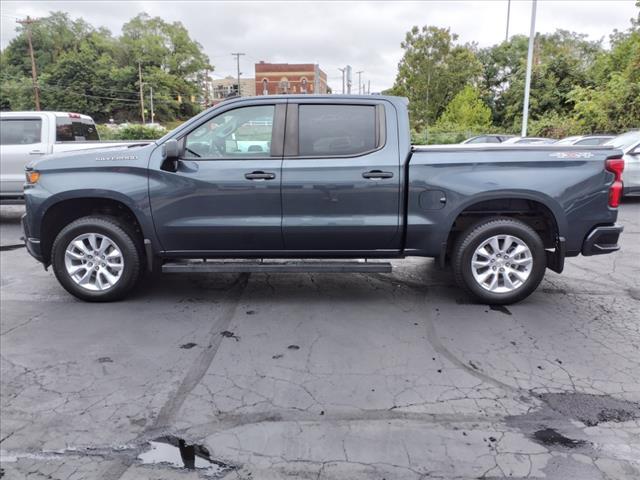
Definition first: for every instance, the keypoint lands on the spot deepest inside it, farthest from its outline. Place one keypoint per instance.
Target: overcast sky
(366, 35)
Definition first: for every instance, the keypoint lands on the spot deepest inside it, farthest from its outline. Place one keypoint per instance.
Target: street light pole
(506, 37)
(527, 84)
(343, 71)
(359, 81)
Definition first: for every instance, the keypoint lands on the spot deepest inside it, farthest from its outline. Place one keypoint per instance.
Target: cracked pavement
(323, 376)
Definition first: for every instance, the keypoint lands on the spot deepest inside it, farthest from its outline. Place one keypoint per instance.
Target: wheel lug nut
(502, 269)
(493, 267)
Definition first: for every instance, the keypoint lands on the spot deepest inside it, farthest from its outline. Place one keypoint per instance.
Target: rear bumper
(32, 244)
(602, 240)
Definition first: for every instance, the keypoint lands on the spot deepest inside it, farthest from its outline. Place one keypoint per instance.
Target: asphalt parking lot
(258, 376)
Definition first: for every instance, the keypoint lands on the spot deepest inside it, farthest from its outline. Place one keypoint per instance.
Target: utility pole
(527, 84)
(343, 70)
(359, 81)
(141, 94)
(368, 87)
(34, 74)
(152, 114)
(237, 55)
(506, 37)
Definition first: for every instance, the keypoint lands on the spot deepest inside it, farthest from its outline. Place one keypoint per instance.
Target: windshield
(625, 140)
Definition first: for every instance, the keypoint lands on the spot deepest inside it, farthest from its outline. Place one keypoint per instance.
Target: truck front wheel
(97, 258)
(499, 260)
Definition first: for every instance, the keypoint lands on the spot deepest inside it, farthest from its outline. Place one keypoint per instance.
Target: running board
(276, 266)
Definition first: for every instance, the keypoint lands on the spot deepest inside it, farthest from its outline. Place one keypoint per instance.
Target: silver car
(629, 143)
(585, 140)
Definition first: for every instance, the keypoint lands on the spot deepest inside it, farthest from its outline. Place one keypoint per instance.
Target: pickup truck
(24, 135)
(340, 189)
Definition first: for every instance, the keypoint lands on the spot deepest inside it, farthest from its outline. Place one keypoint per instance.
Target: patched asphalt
(322, 376)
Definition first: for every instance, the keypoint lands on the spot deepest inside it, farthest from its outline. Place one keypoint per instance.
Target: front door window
(242, 132)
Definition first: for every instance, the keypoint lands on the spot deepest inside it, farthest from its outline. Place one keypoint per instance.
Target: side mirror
(171, 149)
(171, 154)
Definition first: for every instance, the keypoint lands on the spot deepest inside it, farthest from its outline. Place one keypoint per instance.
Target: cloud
(366, 35)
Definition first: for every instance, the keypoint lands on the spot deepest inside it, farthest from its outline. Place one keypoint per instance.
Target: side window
(243, 132)
(21, 131)
(333, 130)
(72, 129)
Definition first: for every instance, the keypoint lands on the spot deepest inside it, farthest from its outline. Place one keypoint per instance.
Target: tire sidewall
(117, 235)
(508, 227)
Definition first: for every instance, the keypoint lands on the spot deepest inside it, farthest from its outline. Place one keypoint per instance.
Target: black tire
(118, 232)
(474, 236)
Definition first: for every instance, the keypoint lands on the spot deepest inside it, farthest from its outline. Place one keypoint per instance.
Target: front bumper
(32, 244)
(602, 240)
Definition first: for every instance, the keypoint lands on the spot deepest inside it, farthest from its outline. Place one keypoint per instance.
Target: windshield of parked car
(625, 140)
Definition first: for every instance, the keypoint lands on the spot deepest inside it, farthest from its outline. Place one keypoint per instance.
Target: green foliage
(577, 85)
(613, 103)
(555, 125)
(87, 70)
(432, 71)
(130, 132)
(466, 111)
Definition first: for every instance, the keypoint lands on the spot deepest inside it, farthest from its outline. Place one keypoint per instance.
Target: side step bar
(276, 266)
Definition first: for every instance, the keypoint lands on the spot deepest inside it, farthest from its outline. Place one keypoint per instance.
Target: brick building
(279, 78)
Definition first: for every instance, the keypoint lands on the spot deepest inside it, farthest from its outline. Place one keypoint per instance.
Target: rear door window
(20, 131)
(336, 130)
(70, 129)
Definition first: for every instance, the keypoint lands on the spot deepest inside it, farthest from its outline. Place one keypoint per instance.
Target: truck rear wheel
(499, 261)
(97, 258)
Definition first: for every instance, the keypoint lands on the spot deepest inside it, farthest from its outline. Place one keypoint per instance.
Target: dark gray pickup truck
(321, 184)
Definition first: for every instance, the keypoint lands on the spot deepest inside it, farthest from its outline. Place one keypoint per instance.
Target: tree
(432, 71)
(466, 112)
(612, 103)
(84, 69)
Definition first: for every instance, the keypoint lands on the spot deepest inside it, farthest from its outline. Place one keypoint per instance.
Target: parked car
(528, 141)
(25, 135)
(341, 181)
(586, 140)
(629, 143)
(488, 139)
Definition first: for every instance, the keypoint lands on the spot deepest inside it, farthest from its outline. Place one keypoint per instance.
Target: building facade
(223, 88)
(281, 78)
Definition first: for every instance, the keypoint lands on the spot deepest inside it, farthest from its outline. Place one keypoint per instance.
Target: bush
(130, 132)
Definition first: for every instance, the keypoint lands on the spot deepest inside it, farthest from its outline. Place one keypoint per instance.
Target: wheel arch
(61, 210)
(539, 211)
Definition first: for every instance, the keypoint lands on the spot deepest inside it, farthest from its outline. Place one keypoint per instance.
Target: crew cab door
(341, 177)
(224, 195)
(22, 139)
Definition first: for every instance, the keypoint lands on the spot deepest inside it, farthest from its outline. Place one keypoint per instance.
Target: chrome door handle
(36, 152)
(259, 175)
(375, 174)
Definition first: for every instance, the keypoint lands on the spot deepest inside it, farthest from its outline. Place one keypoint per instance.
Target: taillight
(615, 166)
